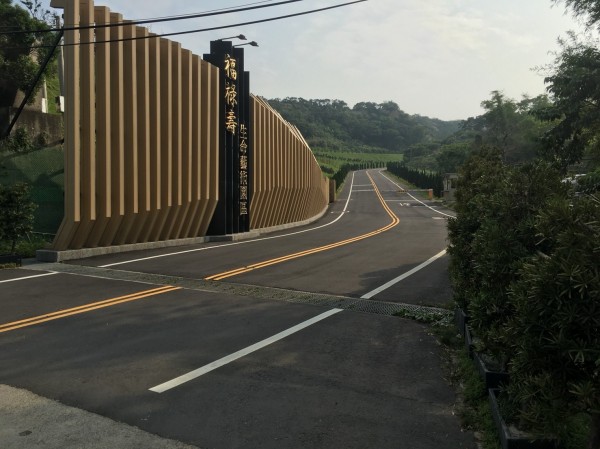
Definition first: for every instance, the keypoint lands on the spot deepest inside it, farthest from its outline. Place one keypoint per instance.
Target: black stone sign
(232, 214)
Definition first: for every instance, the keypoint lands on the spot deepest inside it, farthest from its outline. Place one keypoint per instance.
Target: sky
(436, 58)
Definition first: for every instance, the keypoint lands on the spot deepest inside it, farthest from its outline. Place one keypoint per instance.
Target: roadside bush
(20, 141)
(493, 235)
(589, 183)
(421, 178)
(479, 178)
(16, 213)
(505, 239)
(555, 370)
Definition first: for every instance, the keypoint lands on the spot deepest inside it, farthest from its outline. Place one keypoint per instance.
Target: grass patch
(425, 316)
(53, 89)
(474, 411)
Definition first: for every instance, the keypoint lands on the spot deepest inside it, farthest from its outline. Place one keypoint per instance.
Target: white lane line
(366, 190)
(29, 277)
(403, 276)
(236, 243)
(239, 354)
(416, 199)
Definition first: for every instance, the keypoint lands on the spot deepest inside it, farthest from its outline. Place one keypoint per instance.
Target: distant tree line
(514, 126)
(340, 175)
(367, 127)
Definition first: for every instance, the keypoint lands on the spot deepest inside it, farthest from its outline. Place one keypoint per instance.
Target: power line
(215, 12)
(201, 30)
(212, 10)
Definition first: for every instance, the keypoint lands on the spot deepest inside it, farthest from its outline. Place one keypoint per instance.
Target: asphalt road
(110, 338)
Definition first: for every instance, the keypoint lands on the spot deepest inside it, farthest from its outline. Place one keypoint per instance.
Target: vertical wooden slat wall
(142, 139)
(141, 134)
(288, 185)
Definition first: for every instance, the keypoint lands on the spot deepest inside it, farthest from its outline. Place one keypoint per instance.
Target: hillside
(366, 128)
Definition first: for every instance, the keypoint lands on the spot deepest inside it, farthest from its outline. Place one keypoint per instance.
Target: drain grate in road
(253, 291)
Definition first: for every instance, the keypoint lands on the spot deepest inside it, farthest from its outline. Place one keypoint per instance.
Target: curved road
(352, 269)
(214, 367)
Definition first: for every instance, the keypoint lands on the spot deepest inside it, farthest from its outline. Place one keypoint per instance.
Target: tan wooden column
(144, 125)
(166, 160)
(117, 136)
(180, 224)
(72, 143)
(154, 135)
(103, 127)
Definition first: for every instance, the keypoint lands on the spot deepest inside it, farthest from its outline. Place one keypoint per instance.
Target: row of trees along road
(525, 246)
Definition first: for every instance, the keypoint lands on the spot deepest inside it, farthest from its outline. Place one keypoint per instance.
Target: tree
(510, 126)
(18, 61)
(451, 156)
(37, 11)
(16, 213)
(589, 9)
(574, 86)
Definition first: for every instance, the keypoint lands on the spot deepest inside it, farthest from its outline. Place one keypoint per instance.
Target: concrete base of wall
(47, 255)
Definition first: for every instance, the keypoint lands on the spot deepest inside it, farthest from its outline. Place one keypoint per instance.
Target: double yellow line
(85, 308)
(266, 263)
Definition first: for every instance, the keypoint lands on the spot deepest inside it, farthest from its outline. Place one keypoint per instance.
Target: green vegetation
(371, 132)
(53, 88)
(41, 168)
(16, 213)
(525, 254)
(332, 161)
(525, 265)
(475, 412)
(26, 246)
(332, 126)
(420, 178)
(18, 64)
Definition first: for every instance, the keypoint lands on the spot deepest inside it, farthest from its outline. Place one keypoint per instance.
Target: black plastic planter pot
(461, 320)
(508, 439)
(10, 258)
(492, 378)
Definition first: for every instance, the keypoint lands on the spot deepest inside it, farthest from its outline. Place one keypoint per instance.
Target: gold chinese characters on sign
(230, 70)
(243, 169)
(233, 126)
(231, 121)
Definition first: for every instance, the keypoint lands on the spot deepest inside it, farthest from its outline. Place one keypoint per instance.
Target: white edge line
(239, 354)
(416, 199)
(403, 276)
(29, 277)
(235, 243)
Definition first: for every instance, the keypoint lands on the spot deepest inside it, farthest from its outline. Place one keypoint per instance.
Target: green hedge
(525, 265)
(420, 178)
